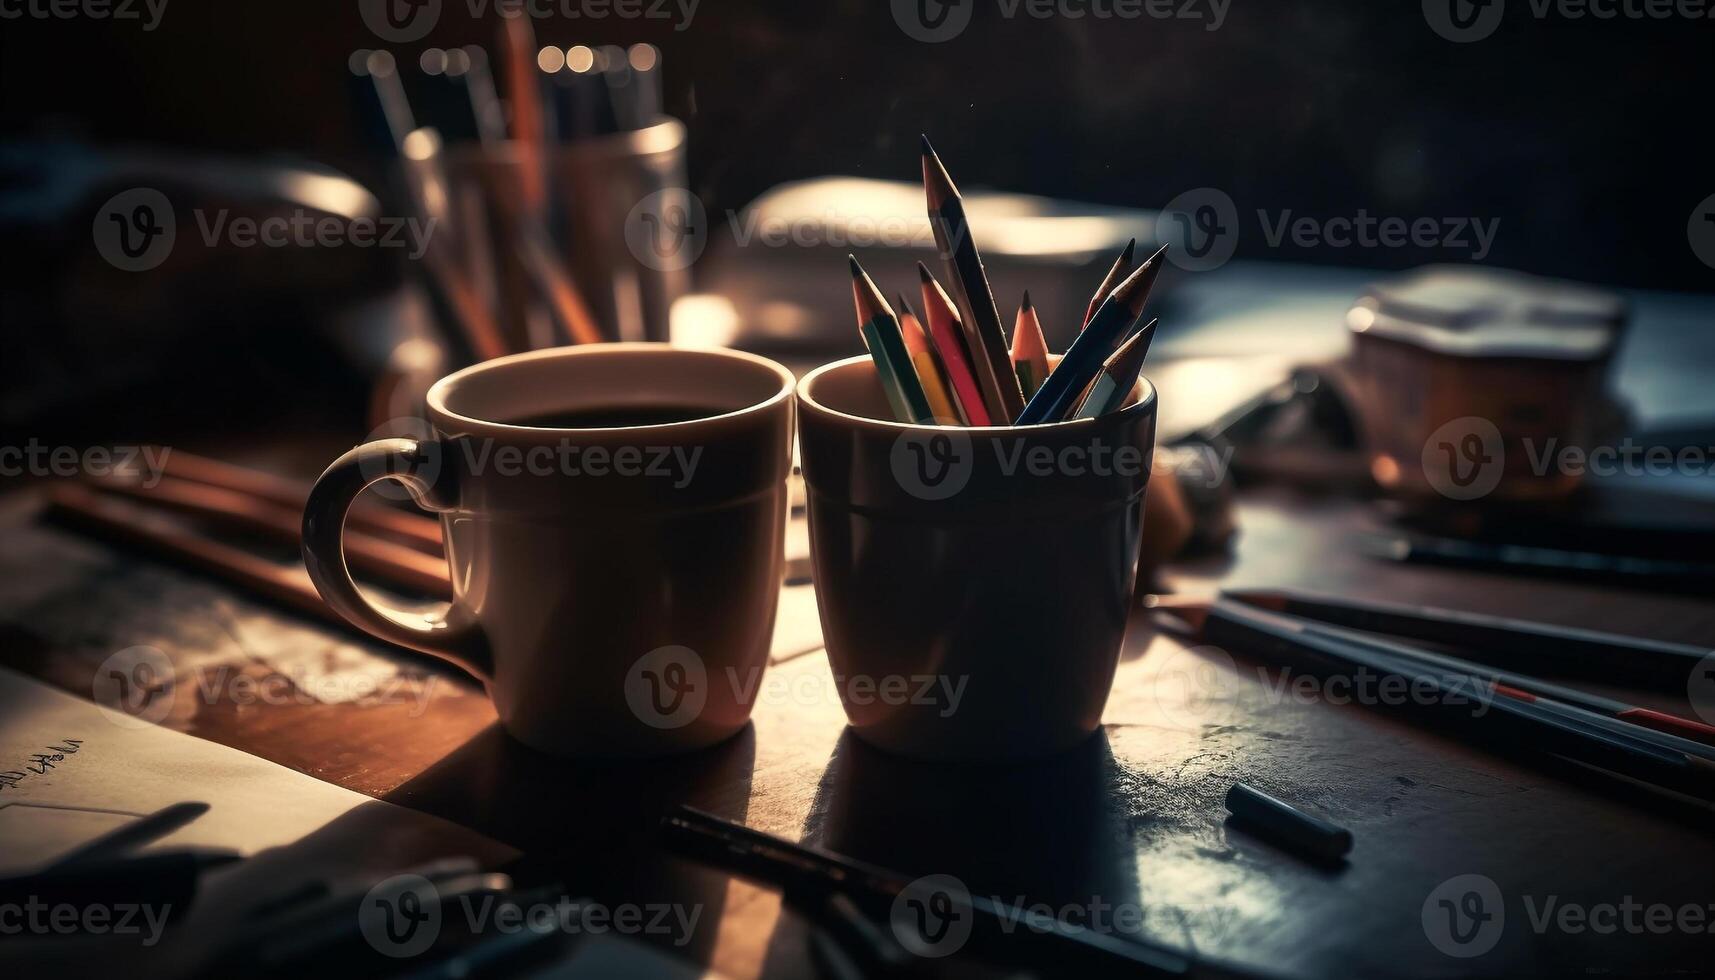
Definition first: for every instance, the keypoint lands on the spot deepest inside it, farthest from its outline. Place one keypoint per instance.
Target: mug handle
(451, 635)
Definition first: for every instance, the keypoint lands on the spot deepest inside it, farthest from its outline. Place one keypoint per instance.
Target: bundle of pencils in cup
(954, 366)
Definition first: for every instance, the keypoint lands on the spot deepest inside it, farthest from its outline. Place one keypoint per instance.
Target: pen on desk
(1282, 822)
(1029, 349)
(1050, 945)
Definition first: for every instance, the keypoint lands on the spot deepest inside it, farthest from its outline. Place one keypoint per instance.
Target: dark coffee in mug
(619, 416)
(607, 579)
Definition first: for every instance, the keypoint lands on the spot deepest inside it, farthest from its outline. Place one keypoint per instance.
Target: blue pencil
(1058, 396)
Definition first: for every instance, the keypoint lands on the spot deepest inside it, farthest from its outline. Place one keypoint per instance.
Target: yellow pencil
(929, 370)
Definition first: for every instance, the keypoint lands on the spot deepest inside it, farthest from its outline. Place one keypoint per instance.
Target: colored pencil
(1029, 349)
(1115, 276)
(881, 335)
(1118, 376)
(1058, 396)
(1502, 641)
(977, 311)
(1543, 725)
(930, 374)
(949, 339)
(523, 88)
(1678, 732)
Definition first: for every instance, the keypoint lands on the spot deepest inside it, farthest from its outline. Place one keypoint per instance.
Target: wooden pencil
(949, 339)
(977, 311)
(1117, 377)
(930, 374)
(1115, 276)
(1059, 395)
(1029, 349)
(523, 89)
(881, 335)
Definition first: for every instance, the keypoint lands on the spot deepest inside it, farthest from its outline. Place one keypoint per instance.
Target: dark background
(1586, 138)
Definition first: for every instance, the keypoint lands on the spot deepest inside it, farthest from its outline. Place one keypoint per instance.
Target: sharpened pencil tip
(1130, 247)
(1027, 305)
(857, 270)
(923, 274)
(928, 150)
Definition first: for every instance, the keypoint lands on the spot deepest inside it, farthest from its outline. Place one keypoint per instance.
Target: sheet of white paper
(53, 800)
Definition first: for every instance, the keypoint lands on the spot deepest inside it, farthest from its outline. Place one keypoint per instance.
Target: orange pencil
(1029, 349)
(949, 337)
(928, 364)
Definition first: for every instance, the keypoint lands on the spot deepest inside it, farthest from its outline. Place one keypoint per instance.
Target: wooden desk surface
(1132, 820)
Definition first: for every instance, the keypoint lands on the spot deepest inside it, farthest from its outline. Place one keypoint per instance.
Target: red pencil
(949, 337)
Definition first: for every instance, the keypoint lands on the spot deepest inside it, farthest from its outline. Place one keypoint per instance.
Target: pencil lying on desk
(1542, 725)
(130, 525)
(1684, 734)
(1504, 641)
(948, 336)
(395, 564)
(977, 312)
(881, 335)
(417, 530)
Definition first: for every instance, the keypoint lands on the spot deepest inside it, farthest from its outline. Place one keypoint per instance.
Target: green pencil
(880, 331)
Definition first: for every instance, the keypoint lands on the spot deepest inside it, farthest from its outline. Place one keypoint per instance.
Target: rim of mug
(436, 399)
(1145, 403)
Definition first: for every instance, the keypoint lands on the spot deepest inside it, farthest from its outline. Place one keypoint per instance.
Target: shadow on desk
(591, 827)
(1045, 832)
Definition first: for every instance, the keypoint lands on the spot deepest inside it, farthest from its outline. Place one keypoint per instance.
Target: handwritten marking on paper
(39, 763)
